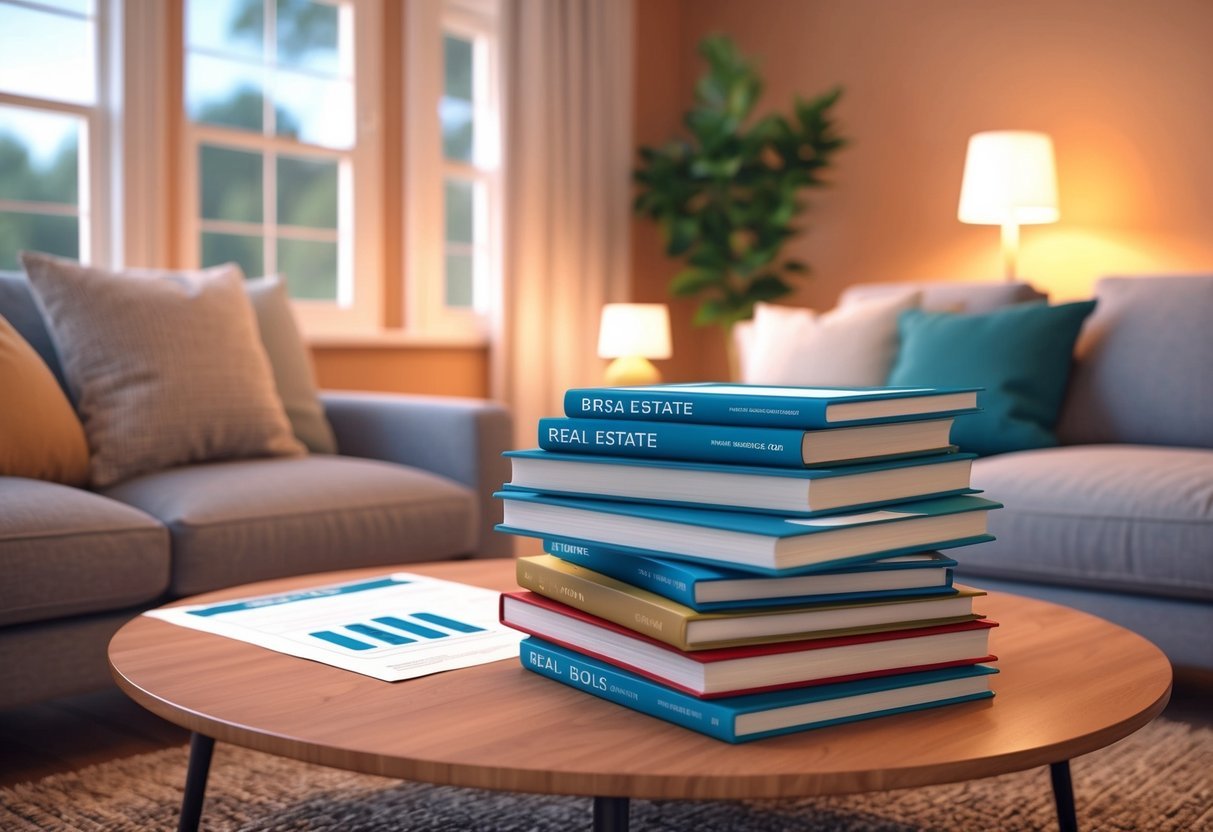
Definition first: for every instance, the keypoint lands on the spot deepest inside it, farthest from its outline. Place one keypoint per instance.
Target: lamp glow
(632, 333)
(1010, 180)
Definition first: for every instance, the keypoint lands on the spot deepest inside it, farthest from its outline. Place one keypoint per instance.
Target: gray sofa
(412, 482)
(1117, 520)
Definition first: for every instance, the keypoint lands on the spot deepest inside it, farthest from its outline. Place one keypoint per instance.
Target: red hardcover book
(732, 671)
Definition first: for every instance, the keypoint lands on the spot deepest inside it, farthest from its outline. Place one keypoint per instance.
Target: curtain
(567, 172)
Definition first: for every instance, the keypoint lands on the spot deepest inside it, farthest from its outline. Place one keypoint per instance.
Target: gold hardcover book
(682, 627)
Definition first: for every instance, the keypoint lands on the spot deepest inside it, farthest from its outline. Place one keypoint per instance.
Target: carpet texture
(1157, 779)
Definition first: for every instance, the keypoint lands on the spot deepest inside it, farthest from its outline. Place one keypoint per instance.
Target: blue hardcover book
(784, 447)
(790, 491)
(747, 540)
(706, 587)
(758, 715)
(767, 406)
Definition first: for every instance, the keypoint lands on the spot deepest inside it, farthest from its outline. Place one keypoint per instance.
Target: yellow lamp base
(632, 371)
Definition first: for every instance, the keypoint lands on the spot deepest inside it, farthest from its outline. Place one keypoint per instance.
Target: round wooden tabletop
(1070, 683)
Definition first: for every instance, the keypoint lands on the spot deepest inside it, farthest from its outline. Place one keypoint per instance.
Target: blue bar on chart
(449, 623)
(379, 634)
(342, 641)
(411, 627)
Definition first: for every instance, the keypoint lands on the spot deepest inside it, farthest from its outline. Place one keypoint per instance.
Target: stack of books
(748, 561)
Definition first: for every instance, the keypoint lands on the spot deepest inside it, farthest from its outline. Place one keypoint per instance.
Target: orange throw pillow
(40, 436)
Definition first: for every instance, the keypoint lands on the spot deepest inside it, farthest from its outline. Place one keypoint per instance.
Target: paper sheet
(394, 627)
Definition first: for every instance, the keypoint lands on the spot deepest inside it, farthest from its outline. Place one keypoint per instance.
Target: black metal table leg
(1063, 796)
(201, 748)
(610, 814)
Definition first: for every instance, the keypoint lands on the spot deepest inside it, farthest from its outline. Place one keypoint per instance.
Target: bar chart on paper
(396, 627)
(393, 630)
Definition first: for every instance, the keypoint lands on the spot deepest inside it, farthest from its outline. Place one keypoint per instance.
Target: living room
(446, 189)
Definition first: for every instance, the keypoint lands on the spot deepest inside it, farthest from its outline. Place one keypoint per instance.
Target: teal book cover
(768, 406)
(792, 491)
(749, 540)
(731, 444)
(708, 587)
(755, 716)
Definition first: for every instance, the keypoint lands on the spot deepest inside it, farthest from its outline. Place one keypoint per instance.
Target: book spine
(601, 680)
(660, 578)
(679, 406)
(656, 440)
(616, 605)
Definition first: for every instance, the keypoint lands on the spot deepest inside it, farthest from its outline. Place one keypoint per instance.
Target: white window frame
(99, 226)
(425, 169)
(359, 307)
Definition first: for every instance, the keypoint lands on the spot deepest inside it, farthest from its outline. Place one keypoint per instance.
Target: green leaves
(725, 199)
(692, 281)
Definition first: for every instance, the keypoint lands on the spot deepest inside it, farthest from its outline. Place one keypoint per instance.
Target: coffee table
(1070, 683)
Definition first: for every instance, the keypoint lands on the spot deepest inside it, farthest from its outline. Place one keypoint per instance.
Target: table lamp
(632, 333)
(1009, 180)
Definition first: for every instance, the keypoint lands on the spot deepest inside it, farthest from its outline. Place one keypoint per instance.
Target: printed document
(398, 626)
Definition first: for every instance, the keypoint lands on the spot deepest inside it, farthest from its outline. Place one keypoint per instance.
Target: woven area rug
(1160, 778)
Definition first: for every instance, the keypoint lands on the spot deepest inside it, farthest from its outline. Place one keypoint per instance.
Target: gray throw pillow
(166, 367)
(291, 363)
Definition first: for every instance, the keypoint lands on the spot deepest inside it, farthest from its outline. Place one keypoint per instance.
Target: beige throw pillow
(166, 367)
(40, 436)
(294, 376)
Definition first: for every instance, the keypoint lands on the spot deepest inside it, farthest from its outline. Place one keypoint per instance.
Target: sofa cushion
(1134, 518)
(167, 367)
(1020, 355)
(251, 520)
(64, 551)
(946, 296)
(1142, 365)
(40, 436)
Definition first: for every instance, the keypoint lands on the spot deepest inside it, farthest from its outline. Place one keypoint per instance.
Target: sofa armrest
(461, 439)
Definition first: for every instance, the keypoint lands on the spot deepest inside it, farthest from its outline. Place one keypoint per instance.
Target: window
(274, 158)
(282, 166)
(52, 131)
(453, 161)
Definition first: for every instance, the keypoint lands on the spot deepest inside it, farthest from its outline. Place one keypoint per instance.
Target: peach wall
(433, 371)
(1121, 85)
(661, 96)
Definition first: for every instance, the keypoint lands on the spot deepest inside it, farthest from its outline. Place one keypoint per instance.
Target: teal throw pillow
(1019, 354)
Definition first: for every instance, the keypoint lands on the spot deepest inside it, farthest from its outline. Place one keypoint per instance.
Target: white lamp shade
(634, 329)
(1009, 178)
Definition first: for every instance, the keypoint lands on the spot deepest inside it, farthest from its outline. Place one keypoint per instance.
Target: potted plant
(726, 198)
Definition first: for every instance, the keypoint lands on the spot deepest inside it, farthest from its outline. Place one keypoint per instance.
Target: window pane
(219, 91)
(81, 7)
(307, 192)
(314, 111)
(459, 211)
(455, 108)
(457, 135)
(457, 65)
(234, 27)
(459, 280)
(37, 232)
(309, 36)
(229, 184)
(39, 156)
(310, 268)
(46, 55)
(227, 248)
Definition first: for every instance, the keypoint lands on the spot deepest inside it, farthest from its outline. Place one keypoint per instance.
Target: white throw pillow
(851, 346)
